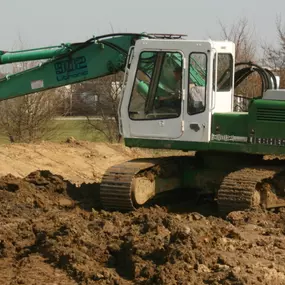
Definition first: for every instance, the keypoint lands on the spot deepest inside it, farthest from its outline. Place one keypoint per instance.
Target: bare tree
(274, 56)
(243, 36)
(30, 118)
(98, 100)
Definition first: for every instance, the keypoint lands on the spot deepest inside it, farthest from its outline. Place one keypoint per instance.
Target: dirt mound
(53, 232)
(76, 161)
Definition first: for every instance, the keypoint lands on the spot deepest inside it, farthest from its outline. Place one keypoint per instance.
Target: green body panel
(263, 124)
(267, 119)
(232, 124)
(203, 146)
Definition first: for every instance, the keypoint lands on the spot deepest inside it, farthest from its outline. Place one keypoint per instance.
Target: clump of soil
(52, 232)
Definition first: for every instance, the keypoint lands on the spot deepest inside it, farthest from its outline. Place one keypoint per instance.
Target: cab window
(157, 87)
(224, 72)
(197, 83)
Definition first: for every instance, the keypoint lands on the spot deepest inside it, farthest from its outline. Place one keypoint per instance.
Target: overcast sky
(42, 22)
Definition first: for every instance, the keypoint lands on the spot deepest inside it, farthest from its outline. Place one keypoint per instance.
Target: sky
(37, 23)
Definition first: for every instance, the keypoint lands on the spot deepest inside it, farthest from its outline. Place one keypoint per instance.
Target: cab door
(152, 105)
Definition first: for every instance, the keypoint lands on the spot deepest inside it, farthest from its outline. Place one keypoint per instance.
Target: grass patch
(73, 128)
(65, 129)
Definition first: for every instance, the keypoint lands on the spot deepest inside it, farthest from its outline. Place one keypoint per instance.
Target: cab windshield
(157, 88)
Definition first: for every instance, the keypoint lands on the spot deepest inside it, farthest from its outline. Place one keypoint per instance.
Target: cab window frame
(189, 82)
(231, 68)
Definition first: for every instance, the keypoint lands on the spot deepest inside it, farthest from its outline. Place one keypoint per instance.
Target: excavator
(178, 94)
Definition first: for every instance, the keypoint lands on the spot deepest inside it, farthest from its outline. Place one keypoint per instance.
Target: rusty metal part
(249, 188)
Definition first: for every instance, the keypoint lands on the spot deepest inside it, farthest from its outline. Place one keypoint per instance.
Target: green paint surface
(235, 124)
(267, 119)
(202, 146)
(82, 61)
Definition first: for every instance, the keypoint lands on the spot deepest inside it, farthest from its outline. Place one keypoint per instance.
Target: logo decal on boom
(71, 68)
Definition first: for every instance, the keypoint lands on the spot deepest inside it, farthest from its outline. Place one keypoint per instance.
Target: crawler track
(116, 190)
(131, 184)
(243, 189)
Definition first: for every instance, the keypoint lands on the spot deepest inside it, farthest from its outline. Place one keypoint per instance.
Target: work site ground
(54, 232)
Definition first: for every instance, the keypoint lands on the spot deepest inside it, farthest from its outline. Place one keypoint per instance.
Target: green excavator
(177, 94)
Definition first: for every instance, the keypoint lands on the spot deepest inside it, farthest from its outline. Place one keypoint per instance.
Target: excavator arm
(76, 62)
(66, 64)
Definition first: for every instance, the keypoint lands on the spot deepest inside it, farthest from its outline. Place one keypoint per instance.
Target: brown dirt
(76, 161)
(53, 232)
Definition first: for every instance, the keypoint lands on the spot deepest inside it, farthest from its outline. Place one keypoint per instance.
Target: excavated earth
(53, 230)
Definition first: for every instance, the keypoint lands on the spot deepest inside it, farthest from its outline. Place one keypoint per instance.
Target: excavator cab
(172, 90)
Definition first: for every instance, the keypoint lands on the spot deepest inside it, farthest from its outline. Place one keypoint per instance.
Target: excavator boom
(66, 64)
(76, 62)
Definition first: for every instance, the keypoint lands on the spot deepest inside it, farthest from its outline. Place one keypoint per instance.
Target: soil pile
(77, 161)
(53, 232)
